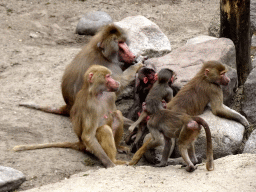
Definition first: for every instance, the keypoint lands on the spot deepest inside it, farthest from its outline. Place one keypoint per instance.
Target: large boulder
(200, 39)
(227, 136)
(249, 102)
(10, 179)
(250, 145)
(146, 38)
(90, 23)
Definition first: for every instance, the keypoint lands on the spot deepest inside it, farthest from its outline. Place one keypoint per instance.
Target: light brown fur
(204, 89)
(176, 125)
(96, 122)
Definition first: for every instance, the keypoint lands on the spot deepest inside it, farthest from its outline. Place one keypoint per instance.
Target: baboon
(156, 99)
(145, 78)
(158, 96)
(176, 125)
(95, 119)
(107, 48)
(204, 89)
(172, 125)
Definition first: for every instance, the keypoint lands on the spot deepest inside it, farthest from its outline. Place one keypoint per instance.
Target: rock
(250, 145)
(214, 27)
(91, 22)
(227, 136)
(187, 60)
(200, 39)
(146, 38)
(253, 63)
(10, 179)
(34, 35)
(249, 102)
(253, 51)
(253, 16)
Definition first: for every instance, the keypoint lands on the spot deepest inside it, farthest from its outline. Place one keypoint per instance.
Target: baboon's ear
(145, 80)
(206, 72)
(90, 77)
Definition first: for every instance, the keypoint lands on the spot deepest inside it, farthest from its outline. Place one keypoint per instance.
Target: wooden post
(235, 25)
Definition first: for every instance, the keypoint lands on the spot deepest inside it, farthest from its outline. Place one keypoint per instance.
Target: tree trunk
(235, 25)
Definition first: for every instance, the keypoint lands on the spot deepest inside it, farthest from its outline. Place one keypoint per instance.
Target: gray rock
(214, 27)
(10, 179)
(227, 136)
(250, 145)
(249, 102)
(200, 39)
(253, 51)
(91, 22)
(253, 15)
(33, 35)
(187, 60)
(146, 38)
(253, 42)
(254, 63)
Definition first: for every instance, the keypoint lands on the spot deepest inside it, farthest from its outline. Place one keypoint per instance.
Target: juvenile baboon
(158, 96)
(156, 99)
(176, 125)
(145, 79)
(96, 121)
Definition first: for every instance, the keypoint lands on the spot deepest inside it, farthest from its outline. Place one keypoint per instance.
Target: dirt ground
(37, 41)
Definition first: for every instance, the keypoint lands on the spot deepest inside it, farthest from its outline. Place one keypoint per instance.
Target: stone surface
(227, 136)
(10, 179)
(146, 38)
(200, 39)
(91, 22)
(250, 145)
(249, 102)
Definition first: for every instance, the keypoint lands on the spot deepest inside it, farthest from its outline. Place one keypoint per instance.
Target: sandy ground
(37, 41)
(237, 176)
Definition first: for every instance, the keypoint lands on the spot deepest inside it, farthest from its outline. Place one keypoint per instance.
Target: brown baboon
(203, 89)
(107, 48)
(156, 99)
(96, 121)
(160, 93)
(176, 125)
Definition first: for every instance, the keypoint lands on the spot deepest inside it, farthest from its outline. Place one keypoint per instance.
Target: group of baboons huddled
(99, 73)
